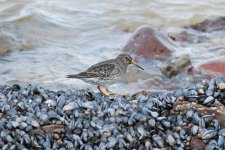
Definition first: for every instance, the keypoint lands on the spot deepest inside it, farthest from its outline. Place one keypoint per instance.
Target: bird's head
(127, 59)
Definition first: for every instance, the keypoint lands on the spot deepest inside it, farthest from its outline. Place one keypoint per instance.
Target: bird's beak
(134, 63)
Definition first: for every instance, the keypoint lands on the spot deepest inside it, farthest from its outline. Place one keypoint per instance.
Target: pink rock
(145, 43)
(182, 36)
(215, 68)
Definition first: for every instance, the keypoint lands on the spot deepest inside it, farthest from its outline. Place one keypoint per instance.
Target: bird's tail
(80, 75)
(72, 76)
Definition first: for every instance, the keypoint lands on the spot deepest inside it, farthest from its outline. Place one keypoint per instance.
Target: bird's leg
(101, 90)
(114, 93)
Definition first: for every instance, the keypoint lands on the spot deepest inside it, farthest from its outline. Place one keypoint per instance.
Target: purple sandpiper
(107, 72)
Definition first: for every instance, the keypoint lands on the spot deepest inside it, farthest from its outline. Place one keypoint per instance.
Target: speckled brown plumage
(106, 72)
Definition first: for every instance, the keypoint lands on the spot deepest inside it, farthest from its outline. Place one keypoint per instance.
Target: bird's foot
(114, 93)
(103, 93)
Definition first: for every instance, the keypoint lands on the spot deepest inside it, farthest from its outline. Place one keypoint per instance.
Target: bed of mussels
(86, 120)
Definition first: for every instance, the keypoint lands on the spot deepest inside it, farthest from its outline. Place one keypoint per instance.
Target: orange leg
(101, 90)
(114, 93)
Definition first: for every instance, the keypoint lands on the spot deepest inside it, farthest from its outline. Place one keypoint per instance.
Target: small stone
(170, 139)
(70, 106)
(221, 86)
(200, 91)
(1, 144)
(18, 119)
(59, 142)
(23, 124)
(28, 128)
(15, 87)
(56, 136)
(15, 124)
(34, 123)
(51, 103)
(9, 138)
(59, 122)
(1, 114)
(9, 126)
(175, 65)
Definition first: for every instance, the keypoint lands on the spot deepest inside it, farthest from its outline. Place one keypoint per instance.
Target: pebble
(221, 86)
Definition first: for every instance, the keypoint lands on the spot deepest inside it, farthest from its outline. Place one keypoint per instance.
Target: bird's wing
(101, 70)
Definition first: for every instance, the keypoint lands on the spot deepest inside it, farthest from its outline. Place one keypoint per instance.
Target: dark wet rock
(210, 25)
(146, 43)
(175, 65)
(16, 87)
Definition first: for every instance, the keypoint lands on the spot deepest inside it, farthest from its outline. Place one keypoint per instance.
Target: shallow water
(49, 39)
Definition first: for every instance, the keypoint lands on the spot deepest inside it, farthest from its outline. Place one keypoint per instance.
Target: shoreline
(40, 118)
